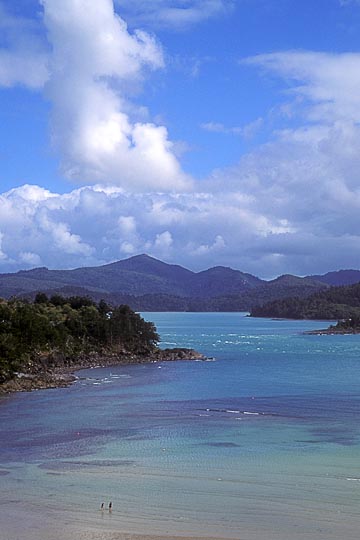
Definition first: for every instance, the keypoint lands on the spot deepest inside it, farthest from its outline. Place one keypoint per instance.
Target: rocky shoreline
(333, 331)
(63, 375)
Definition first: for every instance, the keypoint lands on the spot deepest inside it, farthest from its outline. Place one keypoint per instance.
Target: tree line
(71, 327)
(341, 303)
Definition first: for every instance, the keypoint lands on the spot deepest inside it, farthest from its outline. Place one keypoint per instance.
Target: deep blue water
(268, 427)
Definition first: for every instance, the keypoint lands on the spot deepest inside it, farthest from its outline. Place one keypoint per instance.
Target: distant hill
(339, 278)
(281, 287)
(136, 276)
(147, 284)
(334, 303)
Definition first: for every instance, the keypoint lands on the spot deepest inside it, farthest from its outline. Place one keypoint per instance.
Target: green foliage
(349, 325)
(334, 303)
(71, 326)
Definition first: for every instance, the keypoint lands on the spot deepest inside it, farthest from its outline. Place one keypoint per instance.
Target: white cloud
(29, 259)
(328, 84)
(174, 14)
(163, 242)
(204, 249)
(247, 131)
(312, 168)
(92, 225)
(216, 127)
(89, 69)
(268, 222)
(3, 256)
(306, 178)
(94, 60)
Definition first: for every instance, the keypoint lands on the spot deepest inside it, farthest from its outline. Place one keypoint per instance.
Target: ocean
(261, 441)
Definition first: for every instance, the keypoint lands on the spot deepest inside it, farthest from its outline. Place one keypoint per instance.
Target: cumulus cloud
(89, 68)
(93, 225)
(174, 14)
(259, 226)
(94, 60)
(23, 54)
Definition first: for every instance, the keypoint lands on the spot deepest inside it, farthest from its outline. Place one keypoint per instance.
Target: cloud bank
(260, 227)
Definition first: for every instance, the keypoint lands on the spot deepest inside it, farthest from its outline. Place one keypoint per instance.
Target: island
(42, 343)
(336, 303)
(345, 326)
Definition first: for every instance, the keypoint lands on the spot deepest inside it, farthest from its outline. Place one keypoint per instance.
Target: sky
(201, 132)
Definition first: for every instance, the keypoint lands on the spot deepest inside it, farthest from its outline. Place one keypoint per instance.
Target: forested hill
(339, 278)
(334, 303)
(135, 276)
(148, 284)
(36, 337)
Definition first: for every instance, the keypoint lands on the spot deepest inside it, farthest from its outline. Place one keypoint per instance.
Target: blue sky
(203, 132)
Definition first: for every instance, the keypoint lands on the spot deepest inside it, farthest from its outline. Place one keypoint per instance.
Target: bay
(260, 441)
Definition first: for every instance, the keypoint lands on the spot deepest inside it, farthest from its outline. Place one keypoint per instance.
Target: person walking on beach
(110, 506)
(102, 506)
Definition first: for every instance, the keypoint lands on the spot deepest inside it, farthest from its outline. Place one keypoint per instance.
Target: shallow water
(261, 441)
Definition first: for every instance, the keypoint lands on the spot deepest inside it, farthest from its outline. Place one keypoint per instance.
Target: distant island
(345, 327)
(43, 342)
(342, 303)
(148, 284)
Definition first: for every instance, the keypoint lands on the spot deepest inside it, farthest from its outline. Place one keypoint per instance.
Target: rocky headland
(62, 372)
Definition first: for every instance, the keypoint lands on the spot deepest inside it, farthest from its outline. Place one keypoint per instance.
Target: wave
(235, 411)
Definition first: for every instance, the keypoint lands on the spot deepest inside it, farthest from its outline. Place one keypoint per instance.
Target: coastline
(63, 375)
(334, 331)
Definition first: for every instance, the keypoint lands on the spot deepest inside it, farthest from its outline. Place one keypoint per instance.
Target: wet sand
(19, 524)
(91, 535)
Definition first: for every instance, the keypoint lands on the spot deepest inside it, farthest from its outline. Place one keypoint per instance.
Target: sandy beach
(29, 523)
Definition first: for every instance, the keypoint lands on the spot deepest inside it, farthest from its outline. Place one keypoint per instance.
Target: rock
(60, 374)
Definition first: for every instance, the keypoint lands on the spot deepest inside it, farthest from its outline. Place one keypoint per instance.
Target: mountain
(221, 280)
(339, 278)
(137, 276)
(147, 284)
(281, 287)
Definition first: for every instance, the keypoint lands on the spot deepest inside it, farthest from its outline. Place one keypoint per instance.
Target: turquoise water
(261, 441)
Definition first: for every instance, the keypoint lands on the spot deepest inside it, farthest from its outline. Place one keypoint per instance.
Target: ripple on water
(66, 466)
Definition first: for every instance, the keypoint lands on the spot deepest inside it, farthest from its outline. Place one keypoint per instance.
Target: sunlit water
(260, 441)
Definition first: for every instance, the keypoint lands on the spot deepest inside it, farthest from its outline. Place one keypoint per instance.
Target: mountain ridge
(144, 281)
